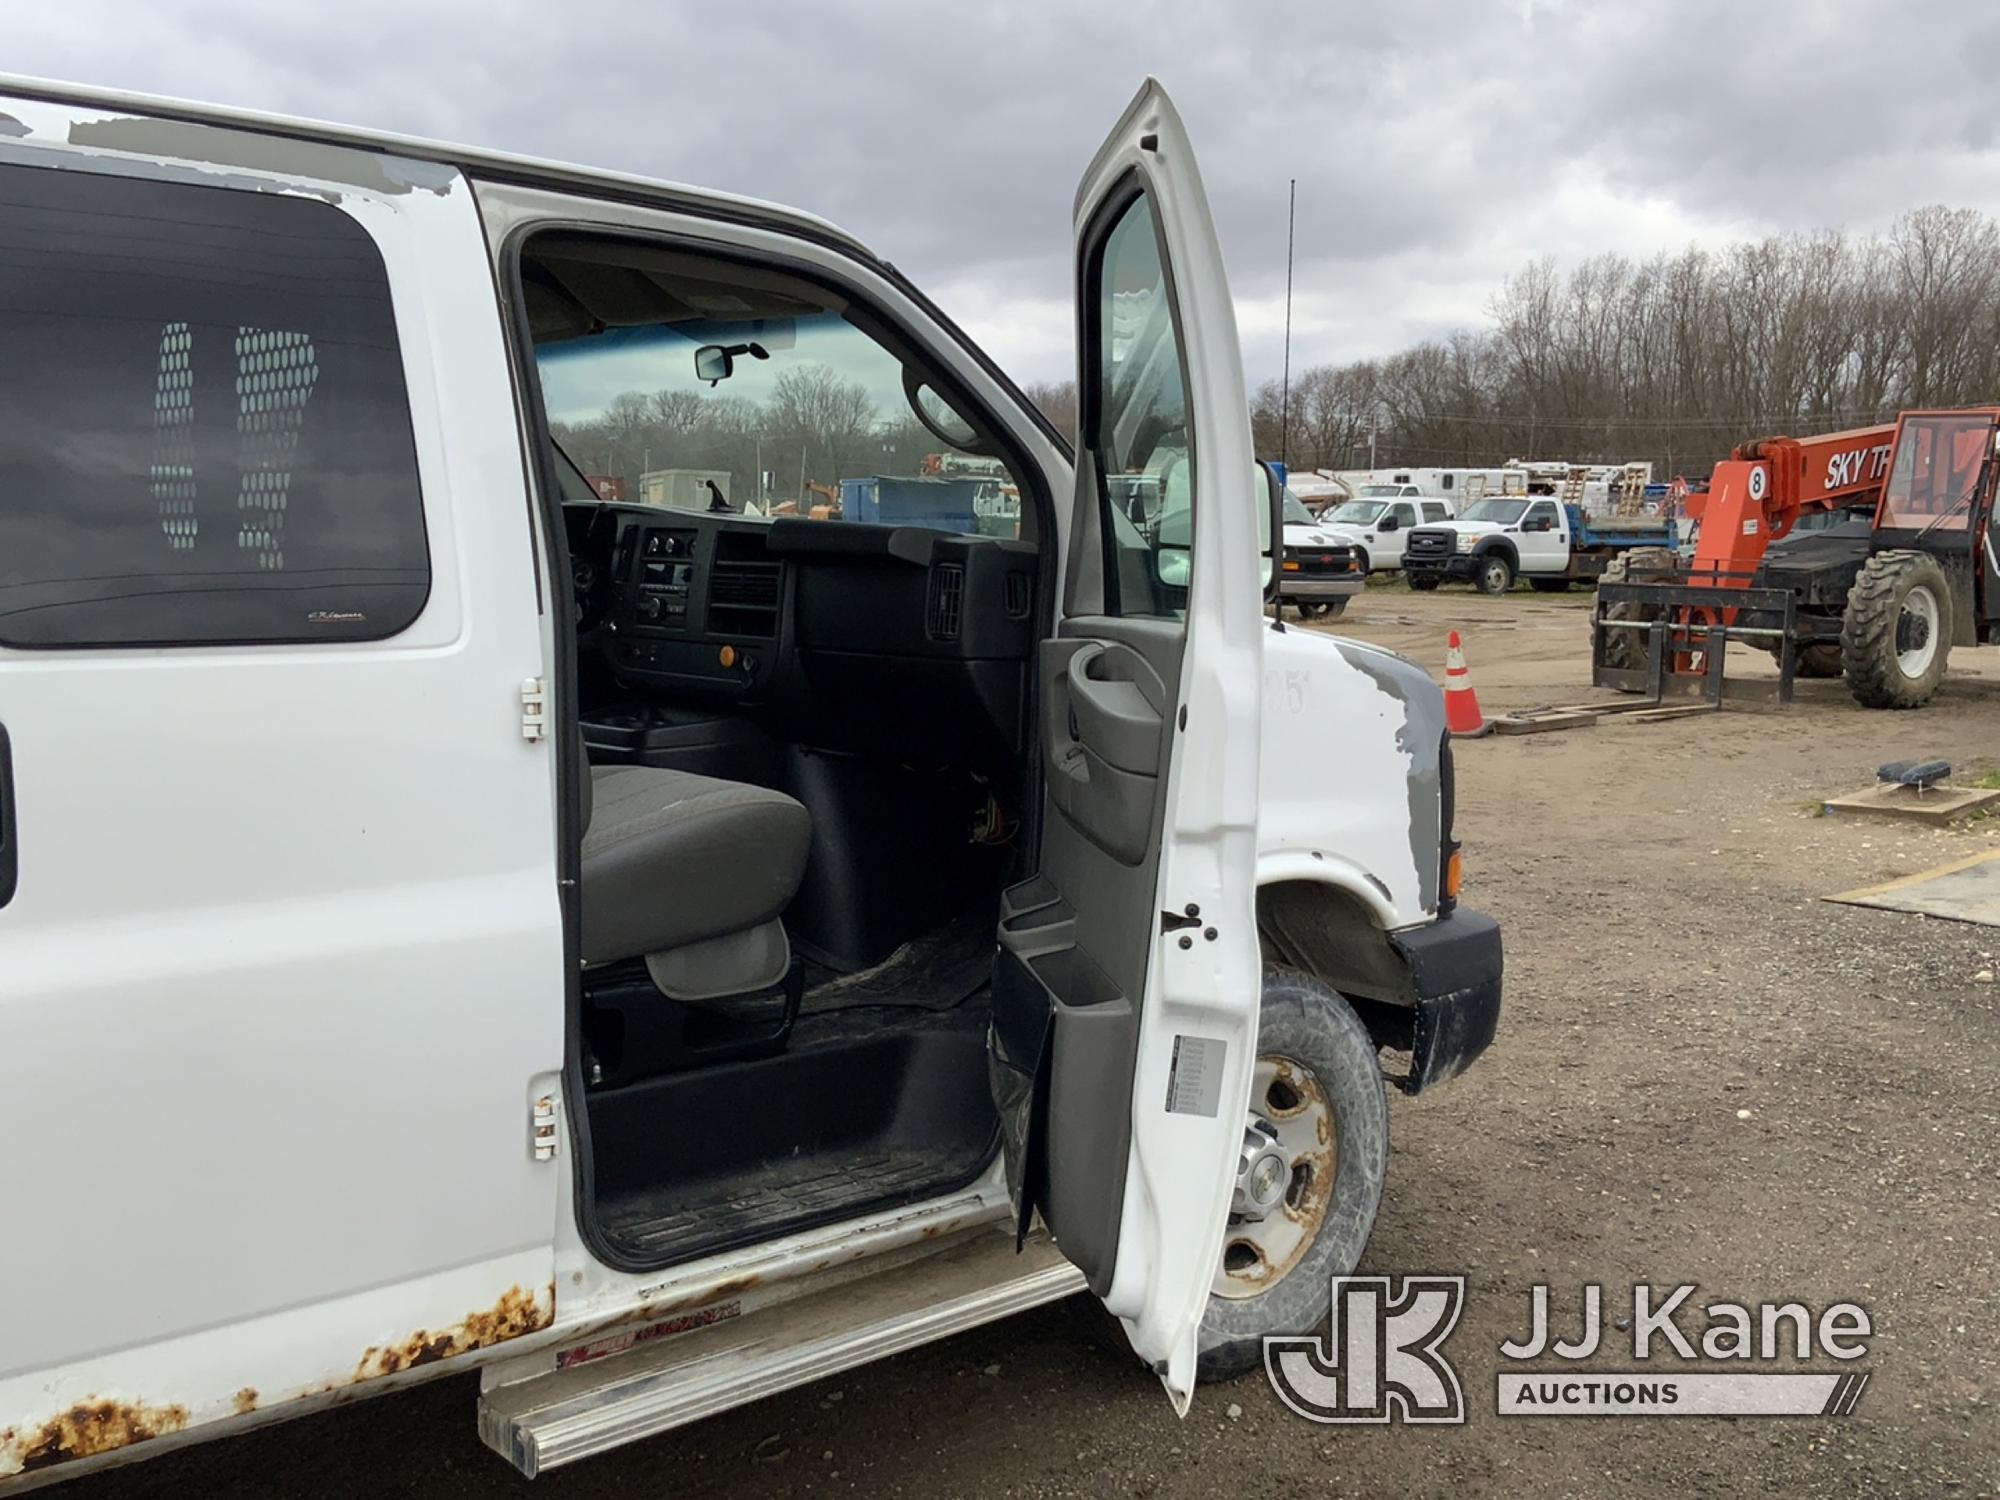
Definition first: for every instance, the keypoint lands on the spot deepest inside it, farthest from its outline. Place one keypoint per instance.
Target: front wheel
(1315, 1152)
(1496, 574)
(1896, 636)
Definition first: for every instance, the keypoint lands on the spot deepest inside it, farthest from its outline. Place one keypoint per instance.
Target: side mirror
(715, 363)
(1273, 530)
(1388, 523)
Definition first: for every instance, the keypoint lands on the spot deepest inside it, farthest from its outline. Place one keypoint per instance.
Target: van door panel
(282, 976)
(1135, 943)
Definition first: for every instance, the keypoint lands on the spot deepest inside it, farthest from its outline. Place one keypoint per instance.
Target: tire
(1496, 574)
(1315, 1041)
(1625, 650)
(1549, 585)
(1895, 639)
(1322, 609)
(1820, 659)
(1421, 583)
(1361, 560)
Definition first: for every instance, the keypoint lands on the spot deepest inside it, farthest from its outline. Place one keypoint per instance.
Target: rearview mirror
(715, 363)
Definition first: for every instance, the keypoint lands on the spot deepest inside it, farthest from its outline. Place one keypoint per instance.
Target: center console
(695, 604)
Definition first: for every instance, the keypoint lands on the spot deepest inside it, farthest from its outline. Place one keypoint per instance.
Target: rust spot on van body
(721, 1291)
(246, 1401)
(518, 1312)
(86, 1430)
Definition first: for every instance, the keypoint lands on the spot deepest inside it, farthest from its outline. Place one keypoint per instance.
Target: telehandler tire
(1625, 650)
(1896, 637)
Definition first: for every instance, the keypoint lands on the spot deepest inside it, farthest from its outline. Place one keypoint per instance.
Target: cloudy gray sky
(1438, 144)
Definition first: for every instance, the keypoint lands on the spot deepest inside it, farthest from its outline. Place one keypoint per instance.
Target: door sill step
(592, 1408)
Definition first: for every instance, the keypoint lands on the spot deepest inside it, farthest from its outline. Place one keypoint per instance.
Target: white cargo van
(660, 956)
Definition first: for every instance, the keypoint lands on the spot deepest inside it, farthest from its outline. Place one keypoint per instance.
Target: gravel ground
(1704, 1074)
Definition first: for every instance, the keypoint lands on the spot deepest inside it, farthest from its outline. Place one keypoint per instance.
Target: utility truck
(1551, 543)
(657, 956)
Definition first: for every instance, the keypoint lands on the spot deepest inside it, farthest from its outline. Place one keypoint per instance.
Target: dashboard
(839, 633)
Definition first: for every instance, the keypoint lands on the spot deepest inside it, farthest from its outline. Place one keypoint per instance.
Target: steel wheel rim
(1921, 605)
(1287, 1099)
(1496, 573)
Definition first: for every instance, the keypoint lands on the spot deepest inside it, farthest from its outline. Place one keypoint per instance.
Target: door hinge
(542, 1128)
(534, 707)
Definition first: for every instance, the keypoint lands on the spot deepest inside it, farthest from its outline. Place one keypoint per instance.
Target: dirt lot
(1704, 1073)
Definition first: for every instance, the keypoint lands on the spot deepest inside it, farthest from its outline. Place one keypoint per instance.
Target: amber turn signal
(1454, 875)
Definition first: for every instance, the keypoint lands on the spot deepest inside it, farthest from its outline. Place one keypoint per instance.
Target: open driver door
(1127, 983)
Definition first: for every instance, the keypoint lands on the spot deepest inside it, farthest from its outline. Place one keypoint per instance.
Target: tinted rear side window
(204, 432)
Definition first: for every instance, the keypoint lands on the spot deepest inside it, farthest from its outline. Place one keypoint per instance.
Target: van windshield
(1356, 512)
(1296, 513)
(1502, 512)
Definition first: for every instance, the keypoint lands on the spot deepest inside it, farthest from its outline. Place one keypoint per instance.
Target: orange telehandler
(1867, 554)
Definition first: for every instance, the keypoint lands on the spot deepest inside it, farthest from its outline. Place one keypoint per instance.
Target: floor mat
(805, 1189)
(939, 971)
(1968, 891)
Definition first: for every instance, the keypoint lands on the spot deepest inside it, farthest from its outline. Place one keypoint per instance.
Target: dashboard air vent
(743, 597)
(947, 601)
(1017, 596)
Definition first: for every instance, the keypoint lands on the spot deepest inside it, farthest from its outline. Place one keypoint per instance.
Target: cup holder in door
(1034, 919)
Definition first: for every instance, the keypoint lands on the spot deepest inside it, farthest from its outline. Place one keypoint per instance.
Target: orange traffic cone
(1461, 704)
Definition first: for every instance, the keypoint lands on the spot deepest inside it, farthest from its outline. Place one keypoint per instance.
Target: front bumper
(1455, 966)
(1311, 589)
(1454, 565)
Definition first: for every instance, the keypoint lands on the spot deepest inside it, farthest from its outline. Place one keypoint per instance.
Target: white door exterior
(281, 977)
(1201, 988)
(1544, 551)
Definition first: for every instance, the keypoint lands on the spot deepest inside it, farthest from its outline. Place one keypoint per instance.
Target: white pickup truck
(658, 957)
(1377, 522)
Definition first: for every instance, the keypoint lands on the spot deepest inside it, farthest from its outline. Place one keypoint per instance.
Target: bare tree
(829, 414)
(1056, 400)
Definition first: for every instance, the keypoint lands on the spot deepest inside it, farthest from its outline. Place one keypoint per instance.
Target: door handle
(1113, 716)
(10, 860)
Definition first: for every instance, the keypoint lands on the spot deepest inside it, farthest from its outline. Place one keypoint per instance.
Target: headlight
(1466, 540)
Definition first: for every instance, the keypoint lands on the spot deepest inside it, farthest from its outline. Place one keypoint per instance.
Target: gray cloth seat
(690, 873)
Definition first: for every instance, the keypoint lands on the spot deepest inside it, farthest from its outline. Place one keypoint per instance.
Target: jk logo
(1380, 1361)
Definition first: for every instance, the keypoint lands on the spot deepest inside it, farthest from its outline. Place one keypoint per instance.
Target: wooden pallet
(1938, 804)
(1584, 715)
